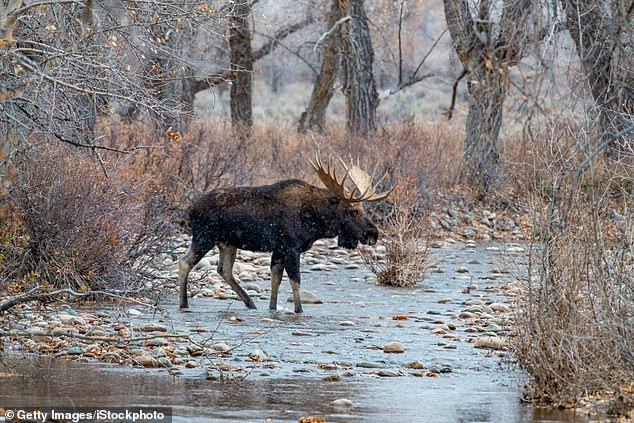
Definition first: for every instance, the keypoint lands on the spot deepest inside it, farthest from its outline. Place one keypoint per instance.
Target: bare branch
(330, 31)
(449, 113)
(414, 77)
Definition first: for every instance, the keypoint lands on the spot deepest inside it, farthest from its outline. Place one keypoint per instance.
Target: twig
(449, 113)
(331, 30)
(412, 79)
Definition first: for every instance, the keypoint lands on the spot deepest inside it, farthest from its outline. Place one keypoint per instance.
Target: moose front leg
(292, 270)
(277, 268)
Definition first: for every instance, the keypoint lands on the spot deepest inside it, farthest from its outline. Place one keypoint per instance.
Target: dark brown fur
(284, 218)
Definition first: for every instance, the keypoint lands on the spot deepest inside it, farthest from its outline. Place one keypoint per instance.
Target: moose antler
(363, 188)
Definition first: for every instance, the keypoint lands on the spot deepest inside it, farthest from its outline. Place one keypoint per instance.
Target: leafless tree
(359, 87)
(603, 33)
(64, 63)
(314, 118)
(241, 57)
(487, 49)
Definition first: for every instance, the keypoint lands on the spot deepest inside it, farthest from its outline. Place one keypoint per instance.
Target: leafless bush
(405, 236)
(575, 325)
(73, 227)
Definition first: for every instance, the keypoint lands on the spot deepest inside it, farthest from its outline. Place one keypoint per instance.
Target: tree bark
(486, 59)
(359, 86)
(604, 40)
(241, 57)
(314, 118)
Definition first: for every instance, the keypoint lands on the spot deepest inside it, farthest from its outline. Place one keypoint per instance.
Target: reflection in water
(56, 383)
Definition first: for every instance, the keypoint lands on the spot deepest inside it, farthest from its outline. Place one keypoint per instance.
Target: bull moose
(284, 218)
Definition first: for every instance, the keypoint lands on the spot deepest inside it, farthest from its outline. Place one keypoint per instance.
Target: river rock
(307, 298)
(152, 327)
(70, 319)
(393, 347)
(388, 373)
(258, 355)
(250, 286)
(342, 403)
(500, 307)
(347, 323)
(371, 365)
(147, 361)
(462, 270)
(490, 342)
(156, 342)
(221, 347)
(414, 365)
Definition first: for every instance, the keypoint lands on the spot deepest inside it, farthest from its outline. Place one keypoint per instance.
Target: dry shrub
(73, 227)
(575, 325)
(405, 238)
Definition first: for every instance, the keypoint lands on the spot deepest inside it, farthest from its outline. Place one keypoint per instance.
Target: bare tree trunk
(604, 40)
(314, 118)
(242, 66)
(357, 55)
(486, 58)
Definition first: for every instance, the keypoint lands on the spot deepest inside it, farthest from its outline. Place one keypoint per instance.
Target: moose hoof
(184, 310)
(251, 305)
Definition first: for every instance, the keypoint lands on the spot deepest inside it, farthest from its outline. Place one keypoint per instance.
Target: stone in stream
(307, 298)
(152, 327)
(371, 365)
(389, 373)
(220, 347)
(414, 365)
(500, 307)
(393, 347)
(250, 286)
(490, 342)
(156, 342)
(342, 403)
(147, 361)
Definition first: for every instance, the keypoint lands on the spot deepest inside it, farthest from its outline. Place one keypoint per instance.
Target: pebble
(490, 342)
(500, 307)
(371, 365)
(156, 342)
(388, 373)
(221, 347)
(152, 327)
(307, 297)
(342, 403)
(250, 286)
(147, 361)
(414, 365)
(393, 347)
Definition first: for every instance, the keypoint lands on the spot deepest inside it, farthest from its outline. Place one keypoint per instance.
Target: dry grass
(405, 238)
(72, 227)
(575, 327)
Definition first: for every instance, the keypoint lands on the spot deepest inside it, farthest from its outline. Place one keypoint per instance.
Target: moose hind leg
(185, 265)
(225, 268)
(277, 268)
(292, 270)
